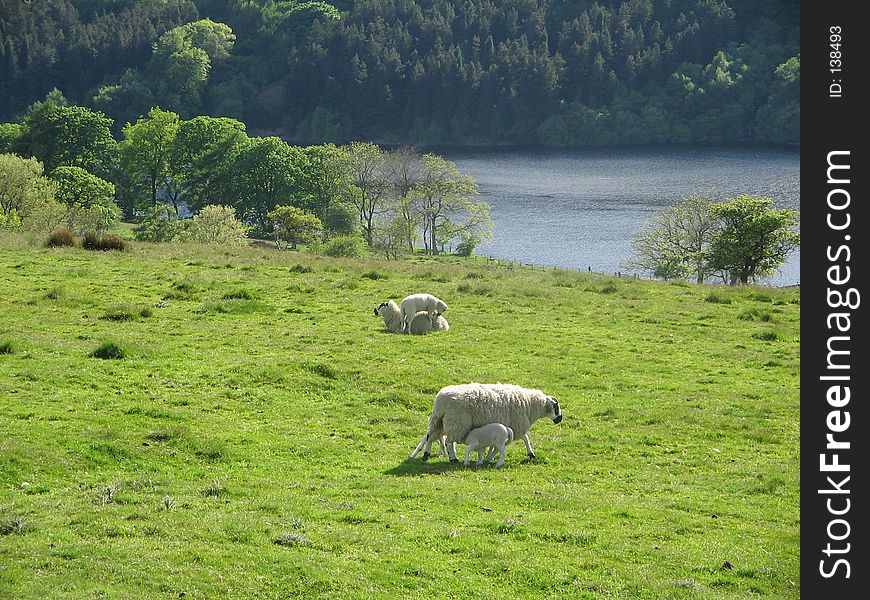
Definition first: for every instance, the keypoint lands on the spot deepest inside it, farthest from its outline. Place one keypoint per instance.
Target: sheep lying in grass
(460, 408)
(392, 316)
(488, 438)
(414, 303)
(419, 324)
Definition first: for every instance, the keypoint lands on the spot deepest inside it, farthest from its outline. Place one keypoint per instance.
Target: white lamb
(460, 408)
(419, 324)
(492, 437)
(414, 303)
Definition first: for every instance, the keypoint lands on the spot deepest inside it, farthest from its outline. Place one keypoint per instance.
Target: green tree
(26, 195)
(58, 134)
(195, 156)
(10, 134)
(160, 223)
(293, 224)
(443, 199)
(676, 243)
(90, 200)
(145, 152)
(753, 239)
(340, 220)
(217, 224)
(259, 175)
(370, 192)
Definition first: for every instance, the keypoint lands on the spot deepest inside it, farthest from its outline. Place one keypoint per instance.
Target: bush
(347, 246)
(108, 351)
(92, 241)
(60, 237)
(7, 347)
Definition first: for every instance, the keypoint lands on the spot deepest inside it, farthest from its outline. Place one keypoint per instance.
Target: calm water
(580, 209)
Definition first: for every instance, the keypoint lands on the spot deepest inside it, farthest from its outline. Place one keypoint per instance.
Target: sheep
(460, 408)
(492, 436)
(392, 316)
(419, 324)
(414, 303)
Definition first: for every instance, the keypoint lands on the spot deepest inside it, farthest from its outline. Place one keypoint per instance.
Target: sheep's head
(554, 411)
(379, 308)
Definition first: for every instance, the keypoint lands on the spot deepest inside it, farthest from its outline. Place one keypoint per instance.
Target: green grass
(253, 440)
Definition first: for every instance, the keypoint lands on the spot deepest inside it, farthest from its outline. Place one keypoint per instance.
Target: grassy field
(246, 433)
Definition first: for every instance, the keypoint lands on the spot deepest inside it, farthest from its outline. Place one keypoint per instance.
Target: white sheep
(414, 303)
(421, 324)
(392, 316)
(488, 438)
(460, 408)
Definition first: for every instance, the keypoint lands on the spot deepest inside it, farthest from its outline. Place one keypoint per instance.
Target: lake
(579, 209)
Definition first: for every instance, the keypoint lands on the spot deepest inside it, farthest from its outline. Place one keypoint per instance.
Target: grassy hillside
(253, 441)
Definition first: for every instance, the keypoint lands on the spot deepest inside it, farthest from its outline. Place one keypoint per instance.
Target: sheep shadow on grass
(438, 465)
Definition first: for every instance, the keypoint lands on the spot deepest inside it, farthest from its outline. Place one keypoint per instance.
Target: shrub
(108, 351)
(300, 269)
(7, 347)
(346, 246)
(119, 313)
(375, 275)
(60, 237)
(717, 298)
(92, 241)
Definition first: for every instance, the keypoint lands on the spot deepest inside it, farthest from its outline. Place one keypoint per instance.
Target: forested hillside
(551, 72)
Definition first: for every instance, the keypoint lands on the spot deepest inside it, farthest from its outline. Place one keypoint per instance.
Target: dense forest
(548, 72)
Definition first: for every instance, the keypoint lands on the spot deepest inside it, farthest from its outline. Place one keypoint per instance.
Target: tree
(160, 223)
(259, 175)
(195, 155)
(676, 243)
(10, 134)
(406, 169)
(753, 238)
(217, 225)
(442, 197)
(58, 134)
(341, 219)
(90, 200)
(145, 151)
(25, 193)
(293, 224)
(369, 191)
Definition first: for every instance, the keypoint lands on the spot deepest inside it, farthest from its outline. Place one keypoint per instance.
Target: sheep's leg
(419, 447)
(528, 444)
(442, 445)
(489, 455)
(468, 449)
(502, 454)
(451, 451)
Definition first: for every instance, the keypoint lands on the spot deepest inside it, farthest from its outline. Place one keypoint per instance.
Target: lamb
(460, 408)
(419, 324)
(493, 436)
(414, 303)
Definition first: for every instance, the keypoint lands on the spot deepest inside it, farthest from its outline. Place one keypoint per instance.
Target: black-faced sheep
(460, 408)
(414, 303)
(392, 316)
